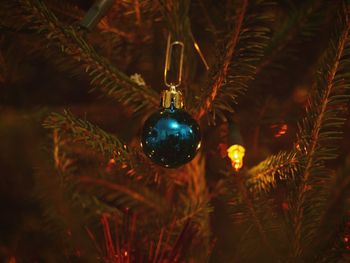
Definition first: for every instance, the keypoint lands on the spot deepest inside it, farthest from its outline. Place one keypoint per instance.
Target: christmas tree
(267, 80)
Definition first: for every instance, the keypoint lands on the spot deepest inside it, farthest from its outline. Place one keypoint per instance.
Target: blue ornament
(170, 136)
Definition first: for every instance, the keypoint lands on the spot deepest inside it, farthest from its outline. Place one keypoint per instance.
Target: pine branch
(65, 9)
(195, 203)
(237, 66)
(175, 13)
(317, 135)
(230, 49)
(63, 218)
(91, 193)
(209, 20)
(126, 196)
(126, 191)
(83, 131)
(257, 220)
(262, 177)
(101, 73)
(300, 25)
(335, 214)
(66, 168)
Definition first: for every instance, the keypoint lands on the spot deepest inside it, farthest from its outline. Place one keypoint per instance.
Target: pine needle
(318, 133)
(84, 131)
(102, 74)
(263, 177)
(230, 49)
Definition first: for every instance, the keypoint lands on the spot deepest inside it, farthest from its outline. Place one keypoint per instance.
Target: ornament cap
(172, 98)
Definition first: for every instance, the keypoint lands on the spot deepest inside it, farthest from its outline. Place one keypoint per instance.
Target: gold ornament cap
(172, 96)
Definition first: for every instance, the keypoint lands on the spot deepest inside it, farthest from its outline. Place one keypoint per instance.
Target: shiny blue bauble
(170, 137)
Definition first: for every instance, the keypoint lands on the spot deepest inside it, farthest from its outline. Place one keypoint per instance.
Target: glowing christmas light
(236, 153)
(281, 129)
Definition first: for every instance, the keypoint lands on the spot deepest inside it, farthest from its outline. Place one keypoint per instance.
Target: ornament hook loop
(171, 46)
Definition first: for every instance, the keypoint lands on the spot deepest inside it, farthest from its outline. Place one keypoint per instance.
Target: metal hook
(168, 61)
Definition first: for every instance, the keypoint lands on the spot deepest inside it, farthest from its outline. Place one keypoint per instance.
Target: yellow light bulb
(236, 153)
